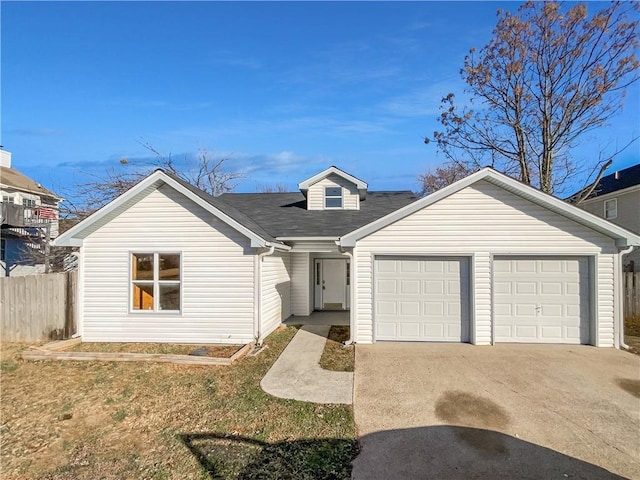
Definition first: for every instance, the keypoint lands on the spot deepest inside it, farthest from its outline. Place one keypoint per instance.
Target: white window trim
(615, 209)
(155, 282)
(341, 197)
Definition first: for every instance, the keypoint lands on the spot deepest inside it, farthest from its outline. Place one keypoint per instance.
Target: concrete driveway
(437, 411)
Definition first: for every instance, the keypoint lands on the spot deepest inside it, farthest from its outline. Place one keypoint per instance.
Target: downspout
(79, 293)
(352, 290)
(620, 299)
(258, 295)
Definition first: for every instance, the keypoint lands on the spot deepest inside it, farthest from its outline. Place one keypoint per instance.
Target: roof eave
(72, 236)
(559, 206)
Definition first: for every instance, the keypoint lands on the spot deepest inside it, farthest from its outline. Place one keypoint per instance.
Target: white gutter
(279, 246)
(257, 327)
(619, 297)
(352, 305)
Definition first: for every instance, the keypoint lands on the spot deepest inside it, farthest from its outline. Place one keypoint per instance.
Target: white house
(29, 214)
(485, 260)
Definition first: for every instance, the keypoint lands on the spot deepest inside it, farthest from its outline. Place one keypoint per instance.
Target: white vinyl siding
(316, 193)
(301, 284)
(276, 291)
(483, 220)
(217, 275)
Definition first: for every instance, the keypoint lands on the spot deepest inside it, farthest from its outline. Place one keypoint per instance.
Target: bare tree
(276, 188)
(548, 76)
(205, 172)
(433, 180)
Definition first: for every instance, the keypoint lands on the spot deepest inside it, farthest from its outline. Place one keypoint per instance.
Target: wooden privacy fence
(35, 308)
(631, 294)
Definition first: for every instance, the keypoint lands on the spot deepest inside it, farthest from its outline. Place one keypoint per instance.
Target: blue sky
(282, 90)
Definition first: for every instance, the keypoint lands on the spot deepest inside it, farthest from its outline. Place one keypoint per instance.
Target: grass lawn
(90, 420)
(335, 356)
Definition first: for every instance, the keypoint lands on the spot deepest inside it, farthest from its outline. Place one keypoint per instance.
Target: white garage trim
(568, 302)
(450, 329)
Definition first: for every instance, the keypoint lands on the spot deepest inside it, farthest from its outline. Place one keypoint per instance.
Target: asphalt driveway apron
(457, 411)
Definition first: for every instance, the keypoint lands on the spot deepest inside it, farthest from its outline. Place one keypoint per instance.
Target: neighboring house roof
(11, 177)
(226, 213)
(333, 170)
(622, 236)
(285, 215)
(625, 178)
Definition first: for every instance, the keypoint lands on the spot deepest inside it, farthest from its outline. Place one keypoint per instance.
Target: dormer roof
(333, 170)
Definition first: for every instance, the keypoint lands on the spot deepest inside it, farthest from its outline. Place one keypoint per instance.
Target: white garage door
(422, 299)
(541, 300)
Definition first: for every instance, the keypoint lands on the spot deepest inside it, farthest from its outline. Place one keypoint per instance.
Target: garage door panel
(387, 286)
(433, 310)
(410, 287)
(551, 288)
(432, 287)
(387, 329)
(433, 266)
(409, 266)
(387, 308)
(410, 330)
(547, 302)
(430, 304)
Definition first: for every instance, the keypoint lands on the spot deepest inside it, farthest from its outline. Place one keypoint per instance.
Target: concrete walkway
(297, 374)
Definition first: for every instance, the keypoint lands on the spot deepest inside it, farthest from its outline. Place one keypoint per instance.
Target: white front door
(333, 288)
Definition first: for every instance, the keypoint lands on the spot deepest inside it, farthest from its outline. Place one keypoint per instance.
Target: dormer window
(333, 197)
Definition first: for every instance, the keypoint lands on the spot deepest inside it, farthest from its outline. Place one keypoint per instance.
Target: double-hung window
(611, 208)
(333, 197)
(155, 282)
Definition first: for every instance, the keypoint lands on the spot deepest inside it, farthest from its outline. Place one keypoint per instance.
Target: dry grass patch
(336, 356)
(218, 351)
(632, 333)
(87, 420)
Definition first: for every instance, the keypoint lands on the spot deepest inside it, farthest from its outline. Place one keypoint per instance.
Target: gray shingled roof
(613, 182)
(286, 214)
(626, 178)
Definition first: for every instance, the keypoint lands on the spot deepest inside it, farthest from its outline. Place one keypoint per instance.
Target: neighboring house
(616, 197)
(29, 220)
(484, 260)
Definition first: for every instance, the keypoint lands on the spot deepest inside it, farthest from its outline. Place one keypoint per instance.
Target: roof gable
(360, 185)
(228, 214)
(622, 236)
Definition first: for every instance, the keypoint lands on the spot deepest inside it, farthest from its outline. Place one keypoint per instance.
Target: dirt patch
(336, 356)
(217, 351)
(632, 325)
(630, 385)
(467, 410)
